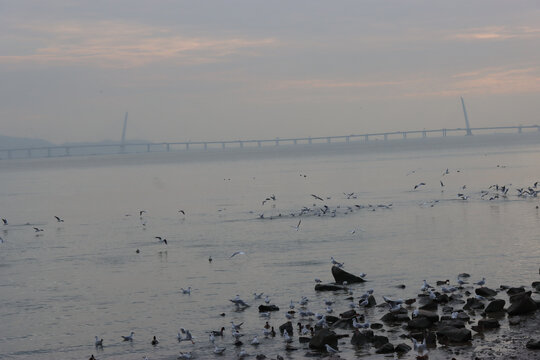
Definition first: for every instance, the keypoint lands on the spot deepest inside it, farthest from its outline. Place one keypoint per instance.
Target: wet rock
(266, 308)
(396, 317)
(533, 344)
(322, 337)
(488, 323)
(454, 335)
(341, 275)
(486, 292)
(536, 285)
(331, 319)
(287, 326)
(495, 306)
(376, 326)
(431, 315)
(452, 323)
(385, 349)
(515, 320)
(360, 338)
(419, 323)
(345, 324)
(348, 314)
(379, 340)
(442, 299)
(521, 304)
(515, 290)
(474, 304)
(329, 287)
(402, 348)
(429, 305)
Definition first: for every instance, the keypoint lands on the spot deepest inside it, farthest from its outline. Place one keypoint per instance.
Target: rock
(419, 323)
(376, 326)
(287, 326)
(331, 319)
(488, 323)
(329, 287)
(536, 285)
(533, 344)
(379, 340)
(395, 317)
(348, 314)
(341, 275)
(452, 323)
(371, 302)
(360, 338)
(495, 306)
(442, 299)
(519, 296)
(385, 349)
(486, 292)
(345, 324)
(522, 304)
(265, 308)
(515, 290)
(473, 303)
(430, 305)
(402, 348)
(454, 335)
(431, 315)
(322, 337)
(515, 320)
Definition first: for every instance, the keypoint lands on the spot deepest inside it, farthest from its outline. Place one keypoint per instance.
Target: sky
(247, 69)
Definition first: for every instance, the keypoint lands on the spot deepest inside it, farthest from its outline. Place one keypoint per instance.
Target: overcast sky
(208, 70)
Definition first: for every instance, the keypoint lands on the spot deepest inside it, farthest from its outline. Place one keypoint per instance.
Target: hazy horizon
(251, 69)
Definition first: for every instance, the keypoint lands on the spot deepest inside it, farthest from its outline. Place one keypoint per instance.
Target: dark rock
(419, 323)
(341, 275)
(359, 338)
(401, 286)
(519, 296)
(474, 304)
(331, 319)
(348, 314)
(488, 323)
(515, 320)
(402, 348)
(395, 317)
(484, 291)
(371, 301)
(385, 349)
(431, 315)
(376, 326)
(495, 306)
(522, 305)
(454, 335)
(322, 337)
(430, 305)
(304, 339)
(533, 344)
(265, 308)
(536, 285)
(379, 340)
(345, 324)
(329, 287)
(442, 299)
(287, 326)
(464, 275)
(452, 323)
(515, 290)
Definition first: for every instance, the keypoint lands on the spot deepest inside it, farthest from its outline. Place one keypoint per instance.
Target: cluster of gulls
(311, 316)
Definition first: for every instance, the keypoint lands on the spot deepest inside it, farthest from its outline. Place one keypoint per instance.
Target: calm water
(82, 277)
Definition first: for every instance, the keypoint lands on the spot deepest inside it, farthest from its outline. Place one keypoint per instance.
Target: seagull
(481, 282)
(317, 197)
(186, 291)
(318, 281)
(4, 221)
(237, 253)
(188, 336)
(58, 219)
(37, 229)
(98, 342)
(418, 185)
(239, 302)
(210, 258)
(358, 325)
(330, 349)
(219, 350)
(286, 336)
(155, 341)
(211, 338)
(421, 349)
(425, 287)
(455, 315)
(184, 355)
(255, 341)
(257, 296)
(267, 299)
(182, 211)
(297, 227)
(236, 327)
(291, 305)
(161, 240)
(128, 338)
(362, 275)
(334, 262)
(242, 354)
(1, 240)
(218, 333)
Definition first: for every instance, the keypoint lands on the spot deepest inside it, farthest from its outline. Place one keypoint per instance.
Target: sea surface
(82, 277)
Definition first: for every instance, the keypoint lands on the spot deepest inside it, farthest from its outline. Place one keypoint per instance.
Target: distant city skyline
(212, 70)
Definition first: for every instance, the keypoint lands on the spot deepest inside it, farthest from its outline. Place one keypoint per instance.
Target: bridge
(123, 147)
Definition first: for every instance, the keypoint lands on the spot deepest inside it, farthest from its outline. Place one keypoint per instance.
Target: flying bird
(237, 253)
(418, 185)
(317, 197)
(58, 219)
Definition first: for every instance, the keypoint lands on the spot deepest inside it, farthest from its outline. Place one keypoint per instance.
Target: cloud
(127, 45)
(496, 33)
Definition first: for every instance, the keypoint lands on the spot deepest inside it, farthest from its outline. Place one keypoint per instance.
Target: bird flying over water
(59, 219)
(237, 253)
(418, 185)
(317, 197)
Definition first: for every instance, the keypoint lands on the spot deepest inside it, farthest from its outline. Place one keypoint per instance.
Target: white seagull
(98, 342)
(330, 349)
(237, 253)
(129, 337)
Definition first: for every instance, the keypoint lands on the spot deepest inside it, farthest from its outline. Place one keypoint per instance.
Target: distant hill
(10, 142)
